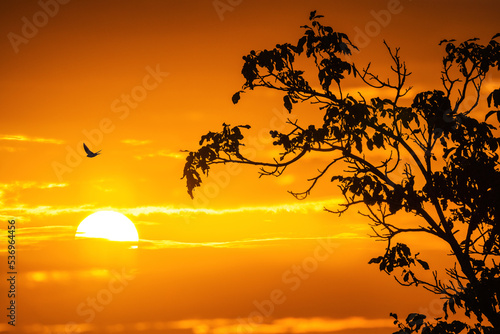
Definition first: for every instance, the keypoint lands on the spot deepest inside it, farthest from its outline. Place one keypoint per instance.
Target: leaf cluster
(451, 180)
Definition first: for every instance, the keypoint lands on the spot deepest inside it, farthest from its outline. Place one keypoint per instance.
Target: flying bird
(90, 154)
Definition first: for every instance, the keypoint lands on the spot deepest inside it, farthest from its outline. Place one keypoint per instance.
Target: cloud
(155, 154)
(29, 184)
(307, 325)
(136, 142)
(282, 325)
(45, 210)
(302, 207)
(319, 325)
(31, 139)
(224, 326)
(246, 243)
(161, 153)
(7, 189)
(298, 207)
(33, 235)
(49, 328)
(66, 275)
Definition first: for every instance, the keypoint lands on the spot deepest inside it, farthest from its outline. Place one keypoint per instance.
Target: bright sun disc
(109, 225)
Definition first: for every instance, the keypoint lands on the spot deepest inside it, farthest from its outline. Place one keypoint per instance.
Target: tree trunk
(483, 299)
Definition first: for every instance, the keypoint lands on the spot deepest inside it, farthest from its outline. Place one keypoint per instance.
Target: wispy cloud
(246, 243)
(66, 275)
(282, 325)
(30, 184)
(45, 210)
(7, 189)
(48, 328)
(299, 207)
(31, 139)
(37, 234)
(227, 326)
(136, 142)
(161, 153)
(33, 235)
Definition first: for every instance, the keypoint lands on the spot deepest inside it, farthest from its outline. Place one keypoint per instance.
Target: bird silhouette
(90, 154)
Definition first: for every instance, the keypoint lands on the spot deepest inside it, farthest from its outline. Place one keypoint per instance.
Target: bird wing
(87, 149)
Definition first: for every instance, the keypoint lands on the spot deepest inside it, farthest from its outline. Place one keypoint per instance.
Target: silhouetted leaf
(375, 259)
(410, 317)
(378, 139)
(369, 144)
(451, 305)
(236, 97)
(359, 145)
(300, 44)
(494, 97)
(424, 264)
(491, 113)
(445, 309)
(415, 320)
(287, 103)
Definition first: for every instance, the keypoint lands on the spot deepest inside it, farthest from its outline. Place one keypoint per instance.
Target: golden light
(108, 225)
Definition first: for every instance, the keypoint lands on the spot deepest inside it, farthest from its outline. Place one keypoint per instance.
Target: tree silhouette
(450, 180)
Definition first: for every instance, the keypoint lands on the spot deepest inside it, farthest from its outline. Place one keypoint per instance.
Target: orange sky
(143, 80)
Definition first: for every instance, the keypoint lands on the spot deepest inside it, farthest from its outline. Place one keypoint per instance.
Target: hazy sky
(142, 81)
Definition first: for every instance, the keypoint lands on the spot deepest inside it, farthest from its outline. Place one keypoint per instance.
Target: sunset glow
(141, 82)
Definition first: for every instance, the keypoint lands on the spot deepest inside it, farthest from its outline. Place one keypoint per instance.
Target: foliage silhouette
(451, 180)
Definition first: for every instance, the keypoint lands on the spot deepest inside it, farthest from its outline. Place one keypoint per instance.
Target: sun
(108, 225)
